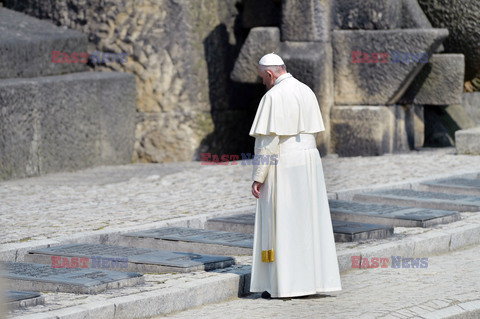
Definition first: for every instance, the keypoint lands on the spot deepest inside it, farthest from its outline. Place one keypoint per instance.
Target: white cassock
(294, 249)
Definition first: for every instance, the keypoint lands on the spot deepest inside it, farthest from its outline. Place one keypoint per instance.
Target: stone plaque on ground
(21, 299)
(127, 258)
(242, 223)
(37, 277)
(467, 186)
(191, 240)
(407, 197)
(343, 231)
(390, 214)
(351, 231)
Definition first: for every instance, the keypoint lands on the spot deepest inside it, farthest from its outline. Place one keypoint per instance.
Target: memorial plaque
(434, 200)
(390, 214)
(351, 231)
(21, 299)
(192, 240)
(242, 223)
(37, 277)
(127, 258)
(467, 186)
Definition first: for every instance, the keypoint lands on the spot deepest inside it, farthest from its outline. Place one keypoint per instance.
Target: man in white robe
(294, 249)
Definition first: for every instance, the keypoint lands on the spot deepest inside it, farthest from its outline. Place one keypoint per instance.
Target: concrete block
(311, 63)
(366, 74)
(471, 103)
(260, 41)
(306, 20)
(468, 141)
(363, 130)
(415, 125)
(440, 82)
(368, 14)
(26, 44)
(66, 122)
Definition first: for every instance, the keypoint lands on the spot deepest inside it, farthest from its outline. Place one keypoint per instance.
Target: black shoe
(266, 295)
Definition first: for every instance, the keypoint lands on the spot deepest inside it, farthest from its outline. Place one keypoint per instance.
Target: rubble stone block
(368, 14)
(468, 141)
(306, 20)
(440, 82)
(260, 41)
(363, 130)
(366, 65)
(471, 103)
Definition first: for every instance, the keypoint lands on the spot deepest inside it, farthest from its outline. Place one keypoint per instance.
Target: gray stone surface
(461, 19)
(22, 299)
(363, 130)
(238, 223)
(260, 41)
(191, 240)
(415, 125)
(384, 82)
(433, 200)
(471, 103)
(26, 45)
(468, 141)
(391, 215)
(306, 20)
(131, 259)
(311, 63)
(467, 186)
(368, 14)
(350, 231)
(66, 122)
(440, 82)
(36, 277)
(261, 13)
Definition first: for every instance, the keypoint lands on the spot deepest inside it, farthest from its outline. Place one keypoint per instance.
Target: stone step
(200, 241)
(466, 186)
(121, 258)
(26, 46)
(391, 215)
(22, 299)
(433, 200)
(37, 277)
(343, 231)
(66, 122)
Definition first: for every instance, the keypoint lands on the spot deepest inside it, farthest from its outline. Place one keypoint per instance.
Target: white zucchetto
(271, 59)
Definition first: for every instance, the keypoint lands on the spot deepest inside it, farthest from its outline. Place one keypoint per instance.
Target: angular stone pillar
(306, 20)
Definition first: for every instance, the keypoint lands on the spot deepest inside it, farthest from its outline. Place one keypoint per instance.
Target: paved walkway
(118, 197)
(448, 286)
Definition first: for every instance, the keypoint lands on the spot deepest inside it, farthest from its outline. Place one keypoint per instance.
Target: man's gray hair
(275, 69)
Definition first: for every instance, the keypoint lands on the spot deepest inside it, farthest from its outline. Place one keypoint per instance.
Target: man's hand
(256, 189)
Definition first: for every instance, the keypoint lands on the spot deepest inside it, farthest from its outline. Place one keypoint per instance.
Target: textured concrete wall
(181, 53)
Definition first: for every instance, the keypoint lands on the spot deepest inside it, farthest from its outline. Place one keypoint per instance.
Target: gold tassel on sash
(267, 256)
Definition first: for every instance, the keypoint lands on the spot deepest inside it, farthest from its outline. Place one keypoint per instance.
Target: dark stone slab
(132, 259)
(389, 214)
(465, 186)
(26, 44)
(37, 277)
(406, 197)
(191, 240)
(21, 299)
(343, 231)
(351, 231)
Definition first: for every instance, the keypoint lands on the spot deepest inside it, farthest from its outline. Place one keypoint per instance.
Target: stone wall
(181, 53)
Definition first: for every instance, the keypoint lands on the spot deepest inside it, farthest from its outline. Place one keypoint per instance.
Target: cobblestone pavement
(449, 281)
(117, 197)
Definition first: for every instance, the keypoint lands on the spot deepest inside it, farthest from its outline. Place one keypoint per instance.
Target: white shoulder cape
(288, 108)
